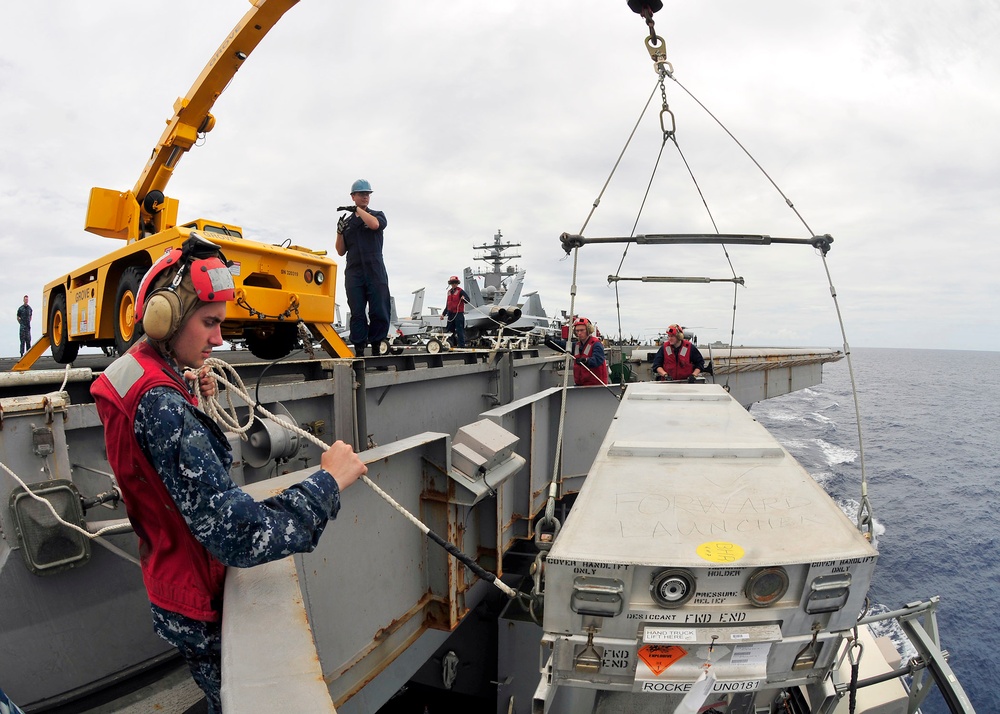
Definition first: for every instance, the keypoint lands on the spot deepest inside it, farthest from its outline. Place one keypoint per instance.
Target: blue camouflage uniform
(24, 327)
(192, 456)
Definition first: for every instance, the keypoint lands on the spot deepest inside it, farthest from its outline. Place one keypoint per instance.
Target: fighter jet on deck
(486, 318)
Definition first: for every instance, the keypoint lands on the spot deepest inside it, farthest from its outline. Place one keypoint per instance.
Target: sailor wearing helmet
(172, 463)
(360, 235)
(589, 365)
(454, 310)
(677, 359)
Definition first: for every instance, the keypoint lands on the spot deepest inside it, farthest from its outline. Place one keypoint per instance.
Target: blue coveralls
(24, 331)
(366, 282)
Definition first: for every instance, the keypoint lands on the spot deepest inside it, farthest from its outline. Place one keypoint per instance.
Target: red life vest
(179, 573)
(455, 303)
(582, 377)
(678, 366)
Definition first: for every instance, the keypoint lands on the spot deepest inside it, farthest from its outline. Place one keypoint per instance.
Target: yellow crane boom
(145, 210)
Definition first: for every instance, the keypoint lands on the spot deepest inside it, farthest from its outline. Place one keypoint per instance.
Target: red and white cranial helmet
(178, 282)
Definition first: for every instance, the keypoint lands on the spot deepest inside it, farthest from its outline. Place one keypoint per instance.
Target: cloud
(876, 124)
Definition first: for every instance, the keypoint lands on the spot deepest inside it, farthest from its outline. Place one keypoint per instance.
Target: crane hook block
(639, 7)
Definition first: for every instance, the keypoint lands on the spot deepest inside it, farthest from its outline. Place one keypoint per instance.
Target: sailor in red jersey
(589, 365)
(677, 359)
(172, 463)
(454, 310)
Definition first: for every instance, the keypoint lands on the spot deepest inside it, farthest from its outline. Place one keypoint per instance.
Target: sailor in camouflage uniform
(24, 325)
(172, 463)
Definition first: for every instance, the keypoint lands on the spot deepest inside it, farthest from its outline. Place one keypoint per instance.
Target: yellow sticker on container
(720, 552)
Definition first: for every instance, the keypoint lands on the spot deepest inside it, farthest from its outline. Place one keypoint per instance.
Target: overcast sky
(877, 119)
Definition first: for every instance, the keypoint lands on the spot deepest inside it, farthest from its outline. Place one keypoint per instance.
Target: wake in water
(934, 482)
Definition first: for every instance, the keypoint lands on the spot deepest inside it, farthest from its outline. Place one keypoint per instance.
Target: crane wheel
(63, 351)
(127, 329)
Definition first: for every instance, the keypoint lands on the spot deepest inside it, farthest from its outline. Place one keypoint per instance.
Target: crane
(278, 287)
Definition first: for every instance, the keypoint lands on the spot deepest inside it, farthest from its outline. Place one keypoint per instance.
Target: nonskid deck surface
(168, 688)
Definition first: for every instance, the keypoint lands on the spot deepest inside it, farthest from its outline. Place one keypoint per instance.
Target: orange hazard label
(659, 657)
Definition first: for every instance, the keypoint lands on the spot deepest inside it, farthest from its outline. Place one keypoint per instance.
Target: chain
(293, 310)
(646, 8)
(305, 336)
(657, 48)
(665, 112)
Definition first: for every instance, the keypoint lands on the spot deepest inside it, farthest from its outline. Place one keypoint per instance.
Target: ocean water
(930, 422)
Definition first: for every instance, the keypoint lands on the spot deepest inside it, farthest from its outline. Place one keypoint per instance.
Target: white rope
(62, 386)
(211, 407)
(123, 527)
(210, 404)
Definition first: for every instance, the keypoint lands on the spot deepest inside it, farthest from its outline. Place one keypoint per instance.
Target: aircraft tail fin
(418, 304)
(472, 287)
(533, 306)
(513, 293)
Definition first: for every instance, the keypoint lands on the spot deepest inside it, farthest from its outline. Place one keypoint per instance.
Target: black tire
(380, 348)
(128, 330)
(433, 346)
(63, 351)
(271, 340)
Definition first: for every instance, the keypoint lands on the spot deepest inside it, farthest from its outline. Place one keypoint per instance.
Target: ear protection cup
(202, 275)
(587, 323)
(162, 314)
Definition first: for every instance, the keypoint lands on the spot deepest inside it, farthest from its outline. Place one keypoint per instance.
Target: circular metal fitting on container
(672, 587)
(766, 586)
